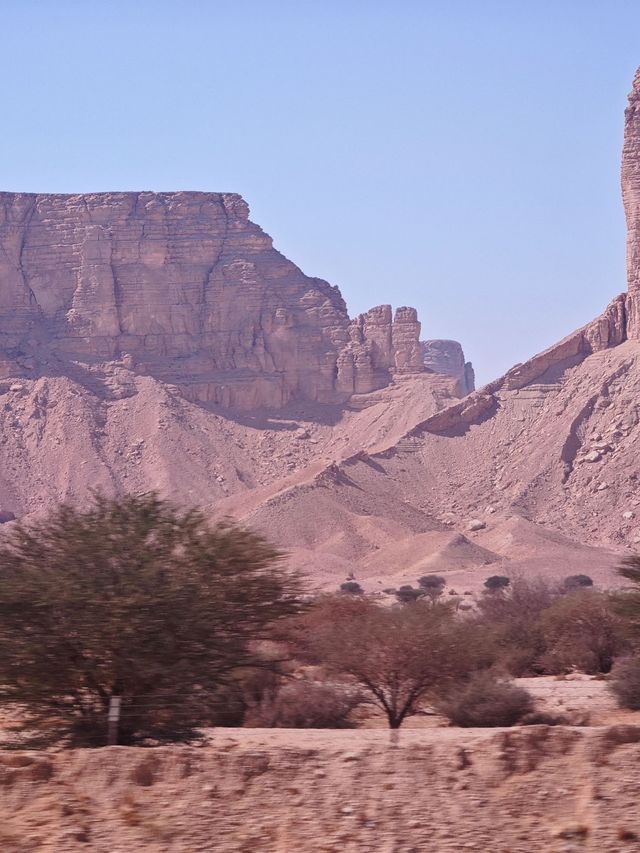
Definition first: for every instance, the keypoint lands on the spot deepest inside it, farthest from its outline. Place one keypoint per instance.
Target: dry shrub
(582, 631)
(625, 683)
(399, 656)
(627, 834)
(512, 620)
(305, 705)
(246, 689)
(547, 718)
(486, 701)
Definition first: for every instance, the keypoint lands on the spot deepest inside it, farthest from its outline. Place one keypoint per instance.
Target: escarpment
(184, 287)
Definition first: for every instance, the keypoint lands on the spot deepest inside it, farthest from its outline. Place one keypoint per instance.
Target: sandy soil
(261, 791)
(545, 482)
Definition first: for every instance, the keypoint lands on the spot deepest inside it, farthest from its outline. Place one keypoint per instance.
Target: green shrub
(496, 583)
(305, 705)
(351, 588)
(486, 701)
(625, 683)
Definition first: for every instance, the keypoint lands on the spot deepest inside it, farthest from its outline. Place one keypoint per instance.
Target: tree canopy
(399, 655)
(136, 599)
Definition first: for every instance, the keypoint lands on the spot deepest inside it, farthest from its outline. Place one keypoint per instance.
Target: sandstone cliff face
(183, 286)
(447, 357)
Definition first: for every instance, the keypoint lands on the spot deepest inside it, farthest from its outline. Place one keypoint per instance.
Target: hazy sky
(462, 157)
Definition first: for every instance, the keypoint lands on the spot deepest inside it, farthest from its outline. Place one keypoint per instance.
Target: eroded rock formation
(183, 286)
(442, 356)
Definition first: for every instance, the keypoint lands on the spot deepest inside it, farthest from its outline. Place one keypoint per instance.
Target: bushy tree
(433, 585)
(135, 599)
(627, 601)
(496, 583)
(351, 588)
(582, 631)
(625, 683)
(399, 656)
(512, 622)
(573, 582)
(407, 594)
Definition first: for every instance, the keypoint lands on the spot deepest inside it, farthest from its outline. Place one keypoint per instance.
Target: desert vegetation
(135, 600)
(190, 625)
(485, 700)
(459, 656)
(397, 656)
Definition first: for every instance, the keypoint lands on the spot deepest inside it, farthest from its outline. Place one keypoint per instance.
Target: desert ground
(430, 789)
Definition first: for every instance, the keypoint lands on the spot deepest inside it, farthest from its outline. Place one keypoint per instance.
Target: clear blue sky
(462, 157)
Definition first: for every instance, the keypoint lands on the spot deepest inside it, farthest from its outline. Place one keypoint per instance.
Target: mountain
(158, 340)
(185, 288)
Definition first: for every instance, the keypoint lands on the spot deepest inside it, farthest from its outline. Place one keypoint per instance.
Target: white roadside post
(113, 719)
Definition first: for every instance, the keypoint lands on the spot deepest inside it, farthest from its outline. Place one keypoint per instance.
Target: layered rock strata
(184, 287)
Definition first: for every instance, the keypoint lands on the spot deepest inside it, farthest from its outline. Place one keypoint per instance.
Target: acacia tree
(136, 599)
(433, 585)
(399, 655)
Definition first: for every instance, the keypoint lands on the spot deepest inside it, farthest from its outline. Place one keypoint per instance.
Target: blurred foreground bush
(625, 683)
(305, 705)
(486, 701)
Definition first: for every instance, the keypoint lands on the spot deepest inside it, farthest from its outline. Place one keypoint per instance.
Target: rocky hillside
(159, 341)
(536, 472)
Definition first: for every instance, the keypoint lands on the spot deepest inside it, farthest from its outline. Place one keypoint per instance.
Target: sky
(460, 157)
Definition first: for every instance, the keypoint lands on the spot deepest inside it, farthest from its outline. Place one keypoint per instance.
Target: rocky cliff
(184, 287)
(447, 357)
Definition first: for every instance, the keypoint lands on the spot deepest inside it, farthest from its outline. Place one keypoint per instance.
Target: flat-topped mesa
(631, 199)
(184, 287)
(443, 356)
